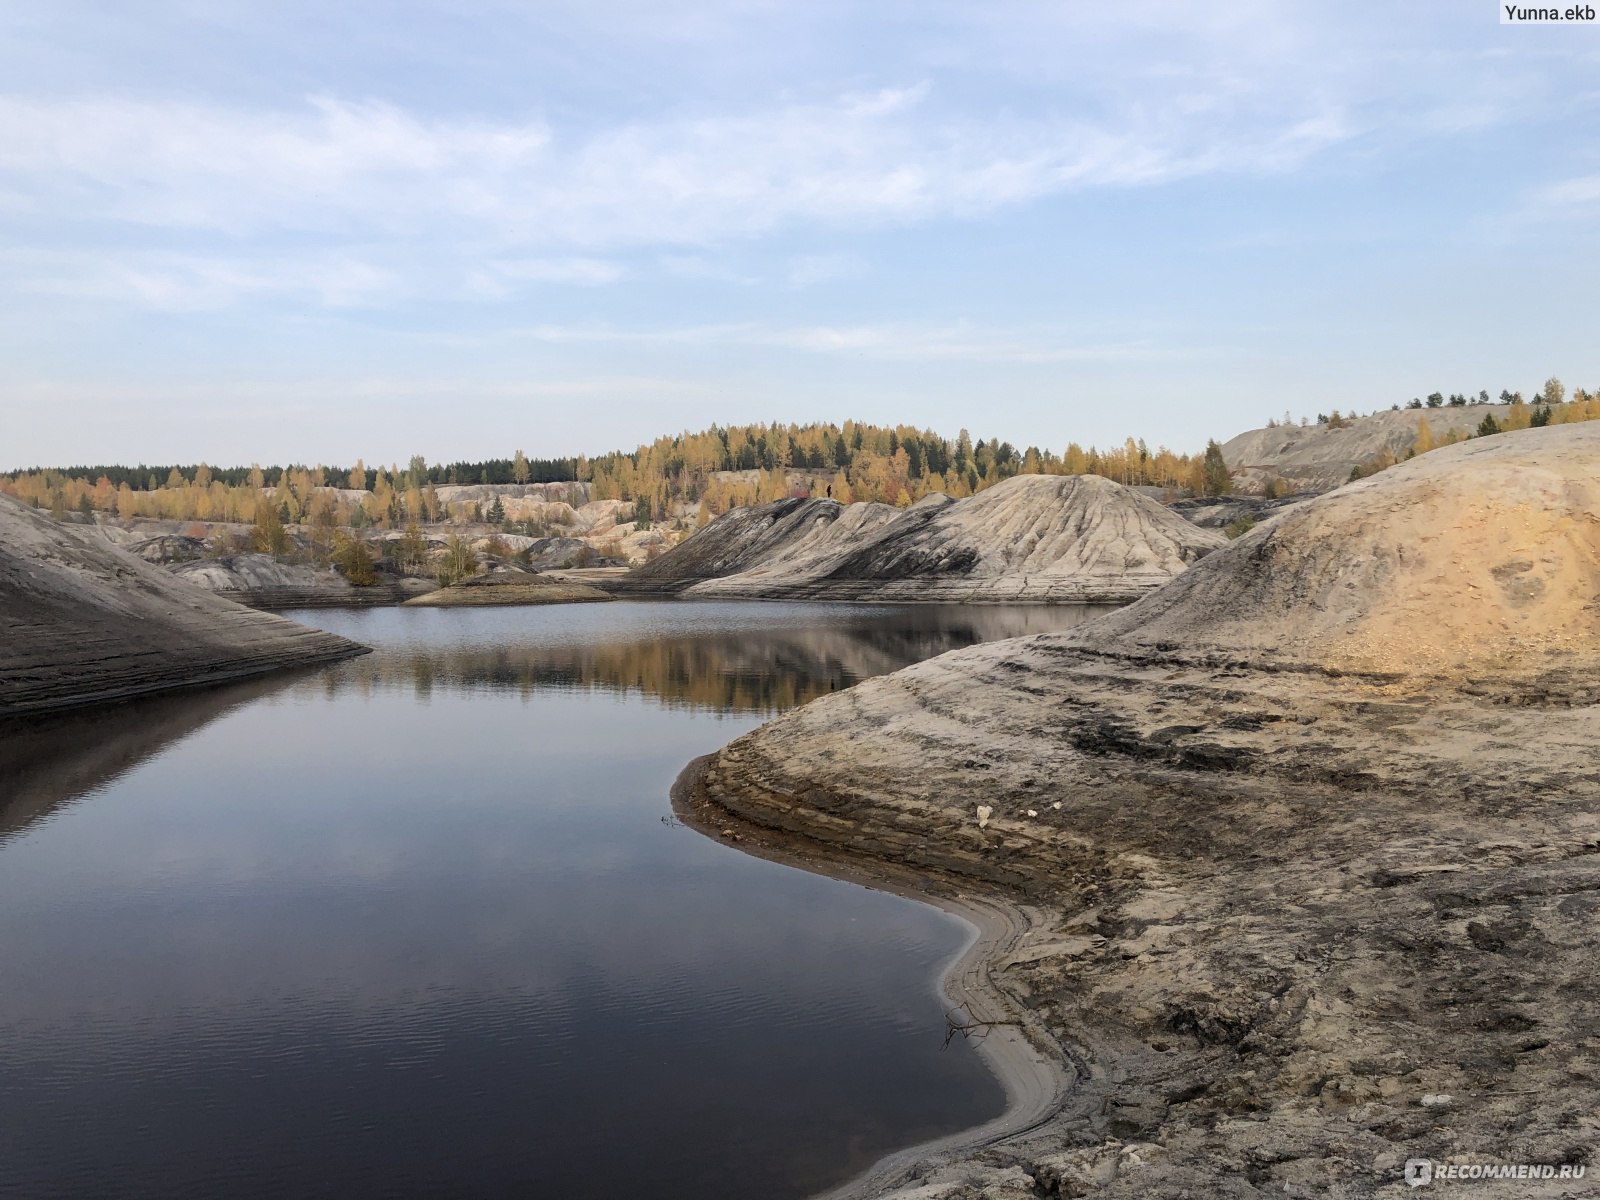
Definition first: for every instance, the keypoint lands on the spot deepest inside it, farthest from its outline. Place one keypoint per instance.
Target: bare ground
(86, 622)
(508, 588)
(1031, 539)
(1312, 837)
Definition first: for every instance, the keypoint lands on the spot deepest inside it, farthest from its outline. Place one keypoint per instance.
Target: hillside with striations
(1306, 839)
(87, 622)
(1030, 539)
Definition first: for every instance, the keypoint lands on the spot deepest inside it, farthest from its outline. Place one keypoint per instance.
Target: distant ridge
(1319, 458)
(1029, 539)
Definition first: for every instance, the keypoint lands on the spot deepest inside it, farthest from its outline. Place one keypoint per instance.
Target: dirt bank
(1313, 835)
(506, 588)
(261, 581)
(1033, 1067)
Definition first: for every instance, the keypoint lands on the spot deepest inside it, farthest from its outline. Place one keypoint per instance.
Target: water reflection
(723, 657)
(413, 925)
(47, 761)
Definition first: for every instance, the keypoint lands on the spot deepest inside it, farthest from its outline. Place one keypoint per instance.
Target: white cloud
(501, 278)
(360, 201)
(327, 166)
(334, 166)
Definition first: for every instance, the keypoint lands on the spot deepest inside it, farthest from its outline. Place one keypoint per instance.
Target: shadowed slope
(86, 622)
(1032, 538)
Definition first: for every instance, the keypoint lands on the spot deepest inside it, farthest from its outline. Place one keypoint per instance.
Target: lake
(422, 923)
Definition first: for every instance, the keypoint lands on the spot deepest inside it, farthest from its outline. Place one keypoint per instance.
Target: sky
(235, 232)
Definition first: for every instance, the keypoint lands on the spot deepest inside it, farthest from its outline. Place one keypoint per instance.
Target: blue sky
(312, 231)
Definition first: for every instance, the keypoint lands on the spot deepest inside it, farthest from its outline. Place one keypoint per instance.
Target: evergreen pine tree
(1214, 476)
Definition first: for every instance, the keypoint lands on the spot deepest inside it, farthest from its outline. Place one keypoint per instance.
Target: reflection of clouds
(531, 828)
(466, 837)
(661, 919)
(433, 917)
(284, 748)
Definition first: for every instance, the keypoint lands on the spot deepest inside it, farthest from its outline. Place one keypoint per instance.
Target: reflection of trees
(759, 670)
(45, 762)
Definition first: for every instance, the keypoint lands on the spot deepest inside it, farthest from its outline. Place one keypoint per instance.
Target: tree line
(714, 469)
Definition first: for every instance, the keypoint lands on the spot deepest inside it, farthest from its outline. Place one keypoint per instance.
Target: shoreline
(1037, 1072)
(152, 684)
(920, 598)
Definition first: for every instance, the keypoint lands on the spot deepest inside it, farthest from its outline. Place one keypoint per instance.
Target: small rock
(1437, 1100)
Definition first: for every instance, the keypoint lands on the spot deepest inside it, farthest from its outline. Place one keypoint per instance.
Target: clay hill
(1304, 847)
(86, 622)
(1319, 458)
(1032, 538)
(261, 581)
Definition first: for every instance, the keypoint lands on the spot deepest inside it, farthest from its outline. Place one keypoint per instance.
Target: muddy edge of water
(1036, 1070)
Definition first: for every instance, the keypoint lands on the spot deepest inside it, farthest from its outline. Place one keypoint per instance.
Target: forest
(686, 477)
(706, 472)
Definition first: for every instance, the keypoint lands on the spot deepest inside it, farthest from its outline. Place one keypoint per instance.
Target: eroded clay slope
(86, 622)
(1031, 538)
(1310, 837)
(1477, 558)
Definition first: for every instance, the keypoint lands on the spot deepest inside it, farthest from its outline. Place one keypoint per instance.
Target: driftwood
(972, 1030)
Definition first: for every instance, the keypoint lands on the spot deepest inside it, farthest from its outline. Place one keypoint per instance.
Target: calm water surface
(421, 923)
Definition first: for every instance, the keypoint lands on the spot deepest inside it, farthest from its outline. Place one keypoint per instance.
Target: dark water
(416, 925)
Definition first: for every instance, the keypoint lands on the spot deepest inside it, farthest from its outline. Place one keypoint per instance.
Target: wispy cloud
(1570, 196)
(330, 165)
(956, 112)
(195, 282)
(809, 269)
(501, 278)
(485, 209)
(334, 166)
(888, 341)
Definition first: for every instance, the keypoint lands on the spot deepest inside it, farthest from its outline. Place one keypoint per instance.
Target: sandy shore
(1036, 1070)
(508, 589)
